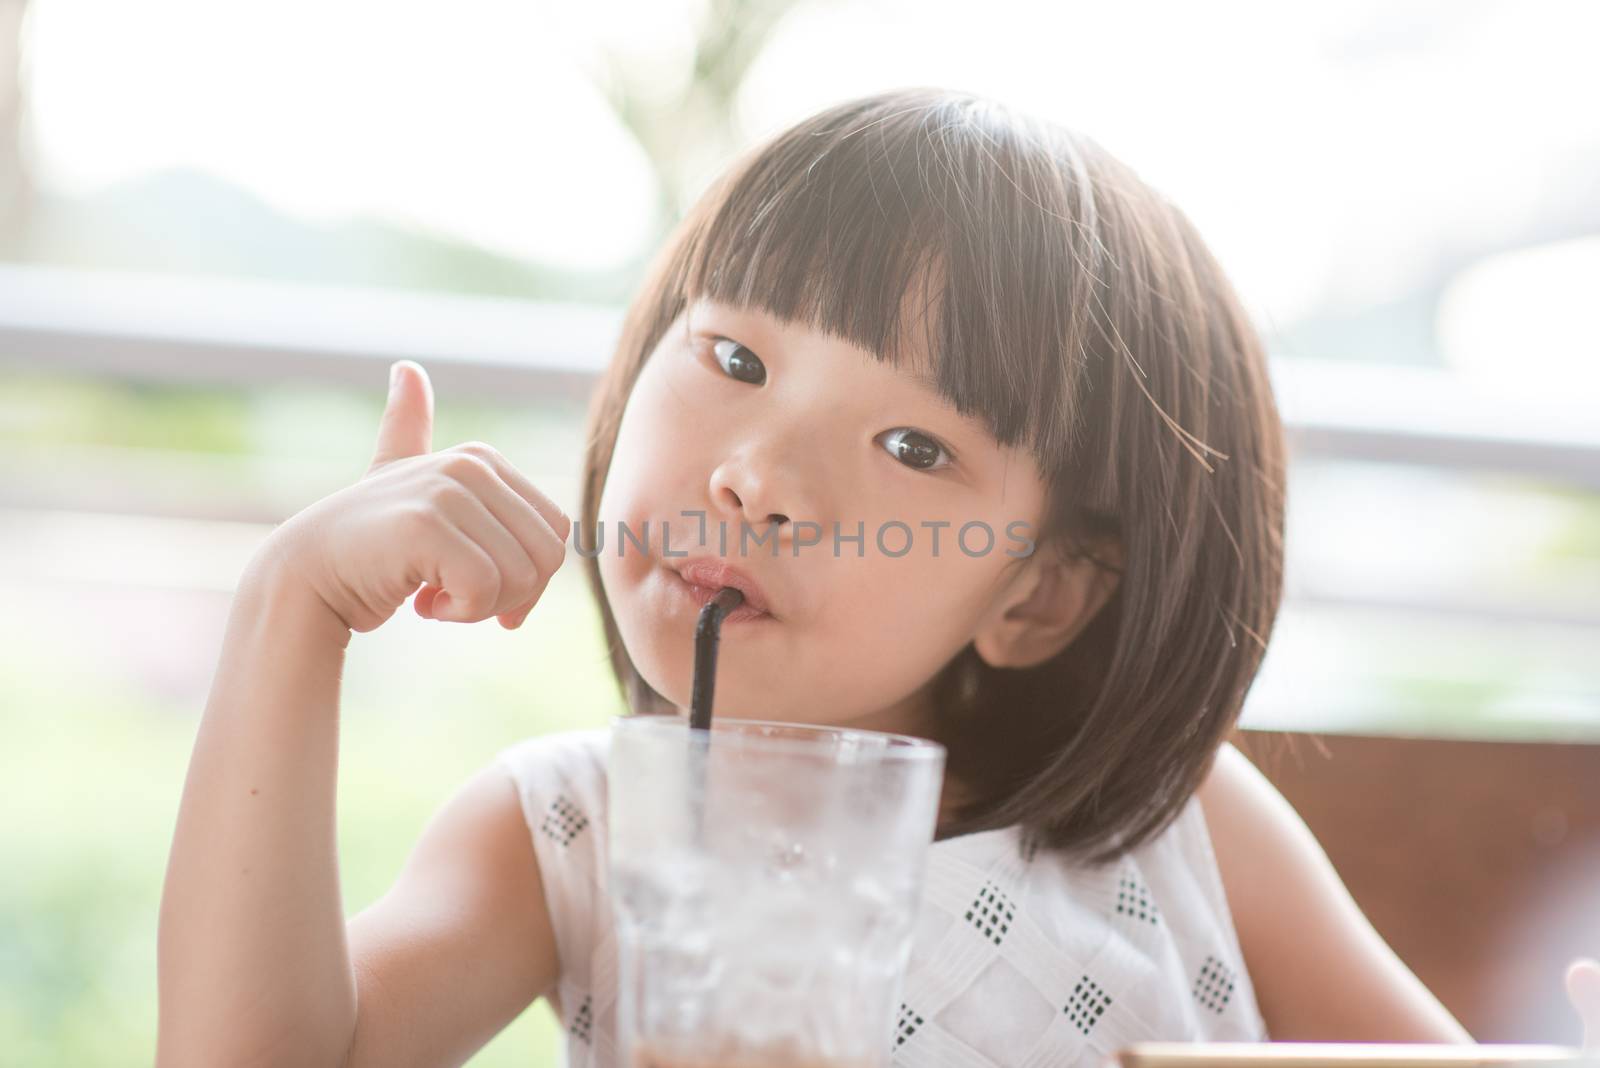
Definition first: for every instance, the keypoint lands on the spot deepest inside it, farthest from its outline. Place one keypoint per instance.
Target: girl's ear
(1047, 605)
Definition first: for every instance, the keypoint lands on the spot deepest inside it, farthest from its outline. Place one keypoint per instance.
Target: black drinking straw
(706, 633)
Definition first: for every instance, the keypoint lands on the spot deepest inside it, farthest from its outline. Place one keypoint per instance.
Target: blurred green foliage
(41, 408)
(286, 418)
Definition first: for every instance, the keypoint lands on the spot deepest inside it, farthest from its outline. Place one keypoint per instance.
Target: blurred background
(219, 224)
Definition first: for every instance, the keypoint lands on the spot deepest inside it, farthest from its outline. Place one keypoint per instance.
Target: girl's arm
(1321, 971)
(252, 965)
(256, 963)
(462, 943)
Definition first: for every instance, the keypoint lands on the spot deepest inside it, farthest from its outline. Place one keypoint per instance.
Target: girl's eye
(916, 449)
(739, 361)
(912, 447)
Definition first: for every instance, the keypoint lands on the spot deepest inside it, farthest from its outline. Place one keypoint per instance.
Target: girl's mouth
(701, 595)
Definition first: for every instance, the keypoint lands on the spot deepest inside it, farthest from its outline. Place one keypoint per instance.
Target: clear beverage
(765, 885)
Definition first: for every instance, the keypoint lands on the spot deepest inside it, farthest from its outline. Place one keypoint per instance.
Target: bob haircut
(1074, 309)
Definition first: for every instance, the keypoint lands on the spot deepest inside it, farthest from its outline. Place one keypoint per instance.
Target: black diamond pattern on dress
(1214, 985)
(563, 821)
(1086, 1005)
(583, 1020)
(906, 1026)
(1133, 900)
(991, 913)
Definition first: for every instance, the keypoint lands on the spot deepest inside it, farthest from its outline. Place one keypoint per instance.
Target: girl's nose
(760, 492)
(745, 499)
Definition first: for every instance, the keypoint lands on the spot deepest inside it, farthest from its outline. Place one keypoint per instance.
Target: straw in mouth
(707, 632)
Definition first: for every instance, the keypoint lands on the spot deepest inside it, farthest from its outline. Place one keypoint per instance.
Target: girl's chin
(735, 681)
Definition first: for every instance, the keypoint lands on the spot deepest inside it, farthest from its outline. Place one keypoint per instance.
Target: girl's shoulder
(561, 784)
(578, 753)
(1022, 958)
(1293, 906)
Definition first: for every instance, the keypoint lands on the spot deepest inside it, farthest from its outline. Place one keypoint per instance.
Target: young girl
(909, 318)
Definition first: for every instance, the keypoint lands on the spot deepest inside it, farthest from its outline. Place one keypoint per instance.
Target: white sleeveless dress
(1016, 962)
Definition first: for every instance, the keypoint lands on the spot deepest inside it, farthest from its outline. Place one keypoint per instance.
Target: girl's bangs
(911, 236)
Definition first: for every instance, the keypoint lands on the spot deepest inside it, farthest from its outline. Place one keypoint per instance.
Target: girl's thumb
(1583, 990)
(407, 426)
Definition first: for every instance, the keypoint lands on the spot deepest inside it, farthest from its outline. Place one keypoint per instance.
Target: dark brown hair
(1076, 311)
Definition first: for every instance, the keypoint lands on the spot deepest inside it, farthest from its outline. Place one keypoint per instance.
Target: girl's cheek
(677, 375)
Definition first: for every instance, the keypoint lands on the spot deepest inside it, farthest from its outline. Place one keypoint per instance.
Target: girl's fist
(463, 524)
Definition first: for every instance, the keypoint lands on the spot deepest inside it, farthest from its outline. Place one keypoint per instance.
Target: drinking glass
(765, 879)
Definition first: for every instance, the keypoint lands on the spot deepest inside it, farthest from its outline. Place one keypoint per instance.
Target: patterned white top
(1015, 962)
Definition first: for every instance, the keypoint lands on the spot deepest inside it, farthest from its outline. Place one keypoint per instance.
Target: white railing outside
(219, 331)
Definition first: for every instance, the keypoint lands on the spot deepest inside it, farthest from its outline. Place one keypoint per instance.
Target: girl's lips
(702, 595)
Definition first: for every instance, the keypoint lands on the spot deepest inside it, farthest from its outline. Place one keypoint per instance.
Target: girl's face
(775, 431)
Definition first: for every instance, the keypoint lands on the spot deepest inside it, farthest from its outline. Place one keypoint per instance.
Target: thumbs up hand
(462, 524)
